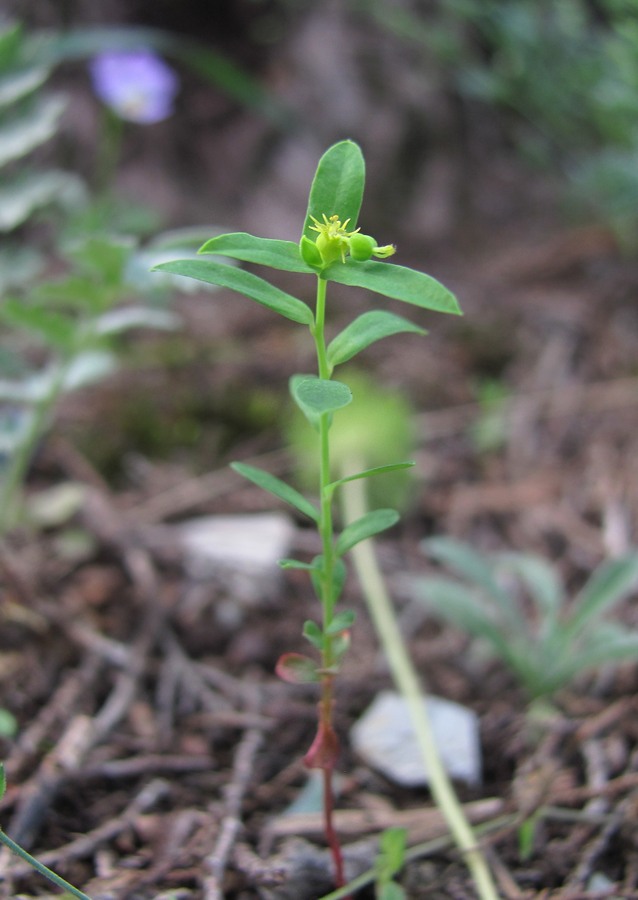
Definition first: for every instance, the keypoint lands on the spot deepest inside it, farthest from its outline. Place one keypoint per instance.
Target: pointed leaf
(608, 585)
(368, 525)
(397, 282)
(539, 577)
(369, 473)
(337, 188)
(279, 488)
(17, 84)
(467, 563)
(295, 668)
(365, 330)
(296, 564)
(316, 396)
(262, 251)
(246, 283)
(22, 134)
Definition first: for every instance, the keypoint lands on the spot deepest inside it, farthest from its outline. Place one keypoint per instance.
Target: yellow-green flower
(334, 242)
(334, 238)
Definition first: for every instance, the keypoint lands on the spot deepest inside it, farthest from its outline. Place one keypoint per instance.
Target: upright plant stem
(407, 680)
(326, 530)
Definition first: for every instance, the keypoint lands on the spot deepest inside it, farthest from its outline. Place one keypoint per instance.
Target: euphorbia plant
(332, 249)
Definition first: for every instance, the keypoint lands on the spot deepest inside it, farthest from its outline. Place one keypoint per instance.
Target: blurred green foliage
(561, 74)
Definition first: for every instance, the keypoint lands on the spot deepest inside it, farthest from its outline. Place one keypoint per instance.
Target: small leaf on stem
(279, 488)
(365, 330)
(367, 526)
(295, 668)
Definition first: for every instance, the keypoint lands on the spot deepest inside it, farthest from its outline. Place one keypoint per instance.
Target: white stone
(385, 738)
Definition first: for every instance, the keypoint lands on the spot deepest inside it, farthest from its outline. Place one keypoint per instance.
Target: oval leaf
(316, 396)
(396, 282)
(279, 488)
(337, 188)
(365, 330)
(282, 255)
(296, 668)
(368, 525)
(341, 622)
(246, 283)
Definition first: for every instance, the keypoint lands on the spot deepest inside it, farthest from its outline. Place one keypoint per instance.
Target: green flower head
(334, 242)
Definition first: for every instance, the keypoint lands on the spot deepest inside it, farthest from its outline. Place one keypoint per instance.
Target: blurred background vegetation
(460, 106)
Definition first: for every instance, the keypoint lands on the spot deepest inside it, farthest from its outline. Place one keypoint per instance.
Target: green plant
(331, 250)
(390, 861)
(72, 323)
(517, 605)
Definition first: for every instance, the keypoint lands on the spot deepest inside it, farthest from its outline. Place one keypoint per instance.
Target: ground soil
(156, 750)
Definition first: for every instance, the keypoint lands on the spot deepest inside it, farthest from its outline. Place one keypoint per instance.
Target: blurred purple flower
(138, 86)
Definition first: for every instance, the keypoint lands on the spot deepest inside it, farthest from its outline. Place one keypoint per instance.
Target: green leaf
(468, 564)
(609, 584)
(368, 525)
(313, 633)
(54, 328)
(19, 83)
(391, 891)
(397, 282)
(339, 573)
(392, 849)
(277, 487)
(246, 283)
(317, 396)
(341, 622)
(337, 188)
(539, 577)
(25, 132)
(295, 668)
(3, 781)
(369, 473)
(296, 564)
(282, 255)
(21, 196)
(365, 330)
